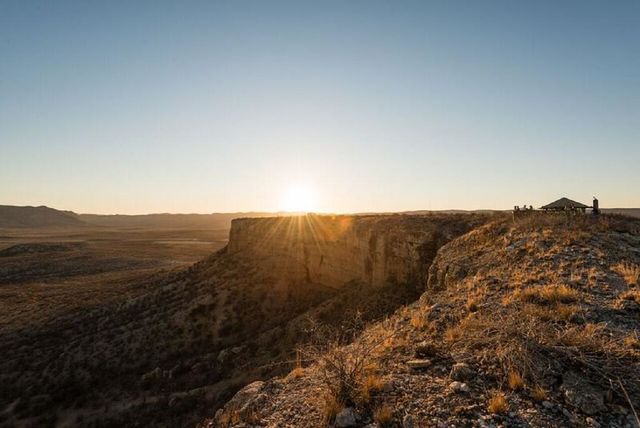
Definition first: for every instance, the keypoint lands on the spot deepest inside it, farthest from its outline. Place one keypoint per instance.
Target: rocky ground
(533, 323)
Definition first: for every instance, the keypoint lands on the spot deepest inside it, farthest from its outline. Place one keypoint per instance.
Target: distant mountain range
(45, 217)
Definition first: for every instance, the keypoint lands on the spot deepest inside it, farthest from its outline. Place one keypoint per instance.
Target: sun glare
(299, 198)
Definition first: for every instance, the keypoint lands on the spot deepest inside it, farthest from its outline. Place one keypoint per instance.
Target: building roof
(563, 203)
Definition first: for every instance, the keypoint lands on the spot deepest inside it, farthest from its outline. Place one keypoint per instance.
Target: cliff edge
(533, 323)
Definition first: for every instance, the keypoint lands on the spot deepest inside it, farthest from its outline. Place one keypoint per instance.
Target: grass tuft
(538, 393)
(515, 381)
(498, 403)
(383, 415)
(630, 272)
(371, 385)
(548, 294)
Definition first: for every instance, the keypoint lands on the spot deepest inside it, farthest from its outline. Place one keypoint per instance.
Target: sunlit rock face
(335, 250)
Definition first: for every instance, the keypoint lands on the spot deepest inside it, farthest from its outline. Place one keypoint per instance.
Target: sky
(338, 106)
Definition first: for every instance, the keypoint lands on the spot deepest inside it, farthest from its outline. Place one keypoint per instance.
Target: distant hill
(168, 221)
(24, 217)
(45, 217)
(631, 212)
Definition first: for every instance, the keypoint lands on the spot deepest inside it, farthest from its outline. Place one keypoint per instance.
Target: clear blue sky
(189, 106)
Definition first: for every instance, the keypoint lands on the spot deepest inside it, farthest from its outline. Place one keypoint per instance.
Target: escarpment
(336, 250)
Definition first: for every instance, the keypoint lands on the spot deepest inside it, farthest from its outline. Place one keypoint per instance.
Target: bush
(344, 370)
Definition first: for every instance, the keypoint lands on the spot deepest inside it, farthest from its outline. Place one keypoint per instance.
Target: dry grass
(371, 385)
(558, 312)
(537, 348)
(538, 393)
(515, 381)
(630, 272)
(453, 334)
(633, 295)
(296, 373)
(632, 341)
(548, 294)
(419, 321)
(498, 403)
(383, 415)
(332, 406)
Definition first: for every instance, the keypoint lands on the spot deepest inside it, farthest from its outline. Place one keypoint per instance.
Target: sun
(299, 198)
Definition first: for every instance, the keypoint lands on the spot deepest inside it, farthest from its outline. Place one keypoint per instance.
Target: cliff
(335, 250)
(527, 323)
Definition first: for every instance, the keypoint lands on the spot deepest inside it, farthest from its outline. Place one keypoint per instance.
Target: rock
(547, 404)
(198, 367)
(418, 364)
(567, 413)
(346, 418)
(223, 355)
(425, 349)
(582, 394)
(408, 422)
(461, 371)
(246, 401)
(459, 387)
(152, 376)
(592, 422)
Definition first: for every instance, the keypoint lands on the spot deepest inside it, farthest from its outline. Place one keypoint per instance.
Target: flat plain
(45, 273)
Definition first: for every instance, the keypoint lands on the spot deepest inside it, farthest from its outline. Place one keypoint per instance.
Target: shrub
(344, 370)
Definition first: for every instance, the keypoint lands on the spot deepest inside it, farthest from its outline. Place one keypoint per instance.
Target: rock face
(334, 250)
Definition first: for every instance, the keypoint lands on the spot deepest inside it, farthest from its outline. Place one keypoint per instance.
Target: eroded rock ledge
(335, 250)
